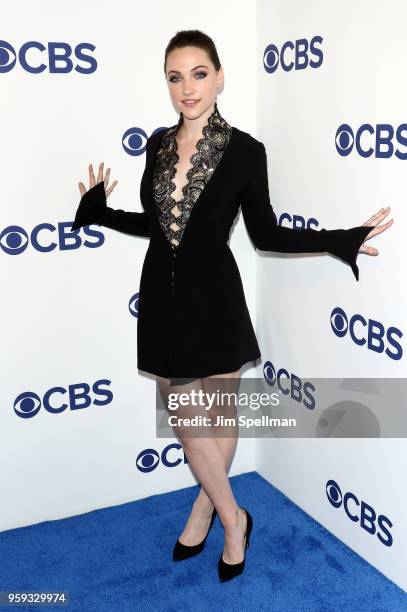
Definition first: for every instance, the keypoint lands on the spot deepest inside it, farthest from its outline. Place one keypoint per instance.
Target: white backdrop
(67, 319)
(71, 317)
(299, 112)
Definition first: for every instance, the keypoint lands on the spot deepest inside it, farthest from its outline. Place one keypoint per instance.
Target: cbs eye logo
(35, 57)
(298, 55)
(369, 333)
(372, 141)
(360, 512)
(14, 240)
(133, 304)
(171, 456)
(290, 384)
(134, 140)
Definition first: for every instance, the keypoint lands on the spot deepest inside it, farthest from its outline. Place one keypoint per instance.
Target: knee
(192, 444)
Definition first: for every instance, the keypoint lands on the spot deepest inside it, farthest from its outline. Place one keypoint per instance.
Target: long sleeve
(261, 222)
(93, 209)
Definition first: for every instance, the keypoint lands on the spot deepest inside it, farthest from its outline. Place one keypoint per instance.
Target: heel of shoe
(227, 571)
(249, 527)
(182, 551)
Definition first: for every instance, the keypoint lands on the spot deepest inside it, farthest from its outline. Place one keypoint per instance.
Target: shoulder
(247, 142)
(253, 154)
(250, 150)
(156, 136)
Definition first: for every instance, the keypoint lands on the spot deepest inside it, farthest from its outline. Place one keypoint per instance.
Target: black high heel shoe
(182, 551)
(227, 571)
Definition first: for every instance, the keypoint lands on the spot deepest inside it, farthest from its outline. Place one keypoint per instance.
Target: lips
(190, 102)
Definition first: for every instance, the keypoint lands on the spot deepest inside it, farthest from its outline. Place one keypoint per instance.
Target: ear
(220, 77)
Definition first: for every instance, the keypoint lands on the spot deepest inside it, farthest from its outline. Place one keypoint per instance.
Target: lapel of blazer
(203, 196)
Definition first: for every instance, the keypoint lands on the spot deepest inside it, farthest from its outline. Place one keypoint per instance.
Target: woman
(193, 325)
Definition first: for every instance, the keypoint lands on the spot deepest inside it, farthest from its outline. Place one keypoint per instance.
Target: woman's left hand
(378, 229)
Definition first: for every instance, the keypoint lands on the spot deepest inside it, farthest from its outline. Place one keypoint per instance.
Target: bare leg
(227, 383)
(210, 459)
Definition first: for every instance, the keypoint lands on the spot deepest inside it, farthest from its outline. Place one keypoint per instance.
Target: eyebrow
(178, 72)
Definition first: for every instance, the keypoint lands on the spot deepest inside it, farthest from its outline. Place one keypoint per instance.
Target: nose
(188, 87)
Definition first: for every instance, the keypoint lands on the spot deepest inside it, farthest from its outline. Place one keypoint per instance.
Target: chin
(196, 111)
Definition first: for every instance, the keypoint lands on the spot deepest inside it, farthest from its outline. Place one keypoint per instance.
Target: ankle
(203, 506)
(232, 519)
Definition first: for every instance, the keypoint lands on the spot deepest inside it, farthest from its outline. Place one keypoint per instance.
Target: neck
(191, 129)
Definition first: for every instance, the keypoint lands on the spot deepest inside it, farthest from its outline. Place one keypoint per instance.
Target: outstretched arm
(267, 235)
(93, 209)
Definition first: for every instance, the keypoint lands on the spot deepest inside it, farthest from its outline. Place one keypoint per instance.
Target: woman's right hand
(93, 181)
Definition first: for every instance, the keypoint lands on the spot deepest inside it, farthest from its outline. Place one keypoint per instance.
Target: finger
(380, 228)
(112, 186)
(107, 175)
(369, 250)
(82, 189)
(372, 251)
(375, 231)
(100, 173)
(383, 212)
(375, 217)
(92, 180)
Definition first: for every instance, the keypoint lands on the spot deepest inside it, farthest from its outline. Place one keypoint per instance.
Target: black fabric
(193, 320)
(93, 209)
(267, 235)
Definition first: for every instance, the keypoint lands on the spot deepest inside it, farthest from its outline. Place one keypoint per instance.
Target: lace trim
(174, 214)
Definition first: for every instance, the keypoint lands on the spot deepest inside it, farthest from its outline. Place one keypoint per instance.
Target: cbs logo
(290, 384)
(370, 333)
(35, 57)
(59, 399)
(368, 140)
(298, 221)
(171, 456)
(360, 512)
(46, 237)
(296, 55)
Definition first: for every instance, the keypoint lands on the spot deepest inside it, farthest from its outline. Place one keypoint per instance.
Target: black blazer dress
(193, 319)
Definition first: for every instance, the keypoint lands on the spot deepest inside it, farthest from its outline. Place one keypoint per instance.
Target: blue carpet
(120, 558)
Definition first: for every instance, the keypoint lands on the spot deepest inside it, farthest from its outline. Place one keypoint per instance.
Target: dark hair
(193, 38)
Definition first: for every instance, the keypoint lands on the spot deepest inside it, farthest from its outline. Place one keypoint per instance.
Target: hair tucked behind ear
(193, 38)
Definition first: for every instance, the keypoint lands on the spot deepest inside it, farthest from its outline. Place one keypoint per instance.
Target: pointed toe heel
(227, 571)
(182, 551)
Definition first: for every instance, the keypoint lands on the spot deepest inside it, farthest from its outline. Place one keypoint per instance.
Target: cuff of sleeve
(345, 244)
(91, 206)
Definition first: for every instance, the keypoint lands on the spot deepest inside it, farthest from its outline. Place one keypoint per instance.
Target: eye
(174, 78)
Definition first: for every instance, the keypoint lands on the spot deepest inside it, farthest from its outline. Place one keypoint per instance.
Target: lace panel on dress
(174, 214)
